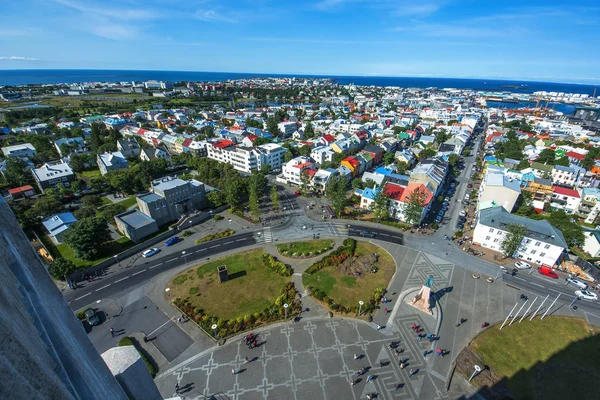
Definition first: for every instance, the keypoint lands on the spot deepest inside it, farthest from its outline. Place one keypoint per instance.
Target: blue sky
(529, 39)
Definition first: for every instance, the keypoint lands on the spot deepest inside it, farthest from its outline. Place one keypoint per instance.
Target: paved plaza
(314, 358)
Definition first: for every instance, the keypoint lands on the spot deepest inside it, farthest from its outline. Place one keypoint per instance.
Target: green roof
(542, 167)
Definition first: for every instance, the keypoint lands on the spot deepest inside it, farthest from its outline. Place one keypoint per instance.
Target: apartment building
(51, 174)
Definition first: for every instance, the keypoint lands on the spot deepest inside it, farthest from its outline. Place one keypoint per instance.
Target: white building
(543, 243)
(246, 159)
(592, 243)
(589, 208)
(564, 175)
(565, 199)
(111, 162)
(50, 175)
(287, 128)
(322, 154)
(502, 189)
(19, 150)
(293, 169)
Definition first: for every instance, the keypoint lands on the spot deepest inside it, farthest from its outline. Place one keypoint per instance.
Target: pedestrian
(369, 378)
(419, 336)
(179, 320)
(378, 327)
(385, 310)
(398, 386)
(352, 382)
(112, 332)
(411, 372)
(439, 352)
(183, 317)
(177, 388)
(247, 360)
(381, 364)
(232, 371)
(425, 354)
(402, 365)
(414, 327)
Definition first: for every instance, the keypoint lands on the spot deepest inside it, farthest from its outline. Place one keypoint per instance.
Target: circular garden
(355, 271)
(257, 287)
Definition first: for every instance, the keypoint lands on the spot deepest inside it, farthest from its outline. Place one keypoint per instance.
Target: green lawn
(348, 290)
(255, 289)
(109, 250)
(544, 359)
(93, 173)
(310, 246)
(128, 202)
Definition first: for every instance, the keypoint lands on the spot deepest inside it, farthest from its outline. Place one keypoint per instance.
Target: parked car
(522, 265)
(470, 185)
(463, 213)
(367, 234)
(439, 219)
(548, 272)
(578, 283)
(150, 252)
(462, 219)
(459, 225)
(586, 295)
(92, 318)
(173, 240)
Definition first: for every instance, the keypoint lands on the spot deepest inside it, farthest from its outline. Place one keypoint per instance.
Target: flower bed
(213, 236)
(306, 249)
(336, 257)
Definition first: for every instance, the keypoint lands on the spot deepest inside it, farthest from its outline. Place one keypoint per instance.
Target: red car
(548, 272)
(470, 185)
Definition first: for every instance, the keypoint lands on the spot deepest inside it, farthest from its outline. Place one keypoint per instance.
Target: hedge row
(213, 236)
(284, 250)
(228, 327)
(127, 341)
(336, 257)
(277, 266)
(368, 308)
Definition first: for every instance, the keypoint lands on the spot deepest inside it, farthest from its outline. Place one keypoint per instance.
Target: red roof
(20, 189)
(565, 192)
(328, 138)
(576, 156)
(493, 135)
(310, 172)
(393, 191)
(362, 135)
(303, 165)
(252, 138)
(186, 143)
(221, 144)
(414, 186)
(352, 161)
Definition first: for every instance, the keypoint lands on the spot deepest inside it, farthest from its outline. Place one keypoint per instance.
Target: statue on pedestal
(422, 300)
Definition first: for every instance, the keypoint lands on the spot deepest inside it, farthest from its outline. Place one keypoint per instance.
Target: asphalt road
(113, 284)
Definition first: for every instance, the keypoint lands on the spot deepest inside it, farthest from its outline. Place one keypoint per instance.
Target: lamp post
(229, 221)
(360, 304)
(184, 257)
(167, 290)
(285, 307)
(116, 257)
(475, 372)
(214, 328)
(190, 222)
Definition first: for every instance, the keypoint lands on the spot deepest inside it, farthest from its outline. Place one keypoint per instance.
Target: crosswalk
(266, 236)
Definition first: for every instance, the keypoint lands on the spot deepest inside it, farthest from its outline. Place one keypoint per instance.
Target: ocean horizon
(69, 76)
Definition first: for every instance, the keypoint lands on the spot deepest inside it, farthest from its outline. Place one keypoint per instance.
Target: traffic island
(354, 272)
(541, 359)
(257, 289)
(308, 249)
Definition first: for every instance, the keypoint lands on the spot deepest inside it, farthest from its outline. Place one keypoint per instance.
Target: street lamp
(285, 307)
(360, 304)
(167, 290)
(475, 372)
(184, 257)
(190, 222)
(214, 328)
(116, 257)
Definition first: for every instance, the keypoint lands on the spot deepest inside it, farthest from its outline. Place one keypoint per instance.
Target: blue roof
(370, 193)
(562, 168)
(59, 222)
(383, 171)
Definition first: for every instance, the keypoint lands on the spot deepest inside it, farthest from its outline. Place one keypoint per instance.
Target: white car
(150, 252)
(522, 265)
(578, 283)
(584, 294)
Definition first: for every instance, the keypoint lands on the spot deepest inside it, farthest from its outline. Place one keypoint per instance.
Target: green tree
(388, 158)
(85, 212)
(453, 159)
(441, 136)
(309, 131)
(336, 193)
(60, 268)
(87, 236)
(272, 126)
(570, 229)
(17, 173)
(563, 161)
(235, 190)
(91, 201)
(426, 153)
(305, 186)
(380, 205)
(287, 156)
(398, 129)
(547, 156)
(254, 203)
(401, 166)
(523, 164)
(357, 183)
(413, 209)
(78, 162)
(254, 123)
(216, 198)
(46, 206)
(274, 198)
(511, 242)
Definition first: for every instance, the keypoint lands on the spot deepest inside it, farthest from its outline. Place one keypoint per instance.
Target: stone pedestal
(223, 275)
(422, 301)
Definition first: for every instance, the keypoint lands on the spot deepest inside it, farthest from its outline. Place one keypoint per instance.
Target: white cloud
(214, 16)
(108, 10)
(397, 7)
(113, 31)
(18, 58)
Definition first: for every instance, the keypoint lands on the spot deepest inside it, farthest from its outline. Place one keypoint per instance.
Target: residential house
(543, 244)
(327, 139)
(344, 172)
(74, 145)
(432, 171)
(22, 192)
(136, 225)
(565, 199)
(58, 225)
(496, 186)
(51, 174)
(343, 146)
(405, 155)
(376, 153)
(294, 169)
(542, 170)
(108, 162)
(368, 177)
(575, 158)
(511, 163)
(322, 154)
(367, 197)
(321, 179)
(287, 128)
(19, 150)
(353, 164)
(392, 176)
(129, 147)
(150, 153)
(247, 159)
(589, 208)
(592, 243)
(397, 209)
(369, 161)
(389, 145)
(566, 176)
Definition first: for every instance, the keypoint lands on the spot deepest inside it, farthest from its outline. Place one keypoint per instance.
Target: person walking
(112, 332)
(411, 372)
(398, 386)
(232, 371)
(177, 388)
(247, 360)
(379, 327)
(439, 352)
(355, 356)
(425, 354)
(420, 337)
(369, 378)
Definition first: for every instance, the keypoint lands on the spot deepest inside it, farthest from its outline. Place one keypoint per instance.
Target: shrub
(194, 290)
(81, 314)
(218, 217)
(127, 341)
(187, 233)
(180, 279)
(336, 257)
(277, 266)
(217, 235)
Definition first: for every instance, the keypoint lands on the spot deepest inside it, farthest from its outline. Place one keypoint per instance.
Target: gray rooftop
(149, 197)
(168, 183)
(136, 219)
(499, 218)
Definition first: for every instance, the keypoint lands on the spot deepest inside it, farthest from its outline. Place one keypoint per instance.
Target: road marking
(122, 279)
(536, 284)
(159, 264)
(384, 234)
(240, 240)
(103, 287)
(229, 242)
(521, 279)
(216, 245)
(198, 251)
(82, 296)
(173, 259)
(139, 272)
